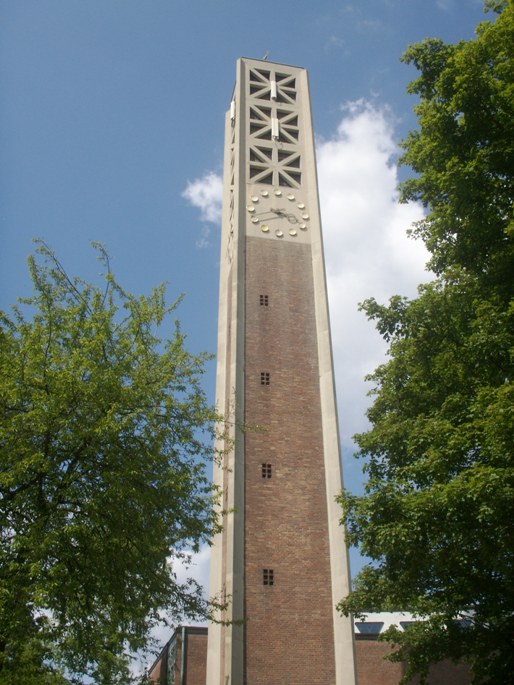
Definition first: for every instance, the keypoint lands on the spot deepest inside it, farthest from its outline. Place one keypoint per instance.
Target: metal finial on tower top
(266, 55)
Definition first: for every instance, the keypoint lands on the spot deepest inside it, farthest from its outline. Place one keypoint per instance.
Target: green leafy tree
(436, 517)
(104, 437)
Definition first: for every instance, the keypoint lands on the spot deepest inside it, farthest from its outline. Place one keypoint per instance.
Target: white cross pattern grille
(274, 158)
(261, 86)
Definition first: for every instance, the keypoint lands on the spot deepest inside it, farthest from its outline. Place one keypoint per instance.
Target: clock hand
(278, 213)
(283, 213)
(261, 215)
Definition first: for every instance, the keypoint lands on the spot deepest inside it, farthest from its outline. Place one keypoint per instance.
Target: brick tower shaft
(280, 560)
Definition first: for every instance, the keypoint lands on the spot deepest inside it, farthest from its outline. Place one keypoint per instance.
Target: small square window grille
(264, 300)
(266, 470)
(265, 377)
(268, 577)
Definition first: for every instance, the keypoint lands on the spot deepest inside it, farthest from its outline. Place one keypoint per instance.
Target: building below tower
(183, 660)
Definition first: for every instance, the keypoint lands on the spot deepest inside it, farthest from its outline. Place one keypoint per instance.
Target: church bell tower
(280, 561)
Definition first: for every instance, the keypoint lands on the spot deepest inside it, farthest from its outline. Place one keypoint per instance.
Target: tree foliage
(104, 437)
(436, 515)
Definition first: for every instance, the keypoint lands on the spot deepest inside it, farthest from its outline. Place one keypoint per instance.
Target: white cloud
(206, 193)
(334, 43)
(445, 5)
(203, 239)
(194, 566)
(367, 251)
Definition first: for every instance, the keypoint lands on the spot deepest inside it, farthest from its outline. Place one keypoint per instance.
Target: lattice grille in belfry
(260, 122)
(274, 158)
(260, 86)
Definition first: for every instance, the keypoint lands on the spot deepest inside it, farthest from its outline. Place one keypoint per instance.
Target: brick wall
(196, 656)
(157, 673)
(286, 516)
(447, 673)
(373, 669)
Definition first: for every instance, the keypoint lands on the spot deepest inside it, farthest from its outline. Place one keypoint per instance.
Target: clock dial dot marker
(290, 197)
(255, 220)
(292, 232)
(250, 208)
(255, 198)
(264, 193)
(278, 193)
(300, 205)
(265, 228)
(305, 216)
(279, 233)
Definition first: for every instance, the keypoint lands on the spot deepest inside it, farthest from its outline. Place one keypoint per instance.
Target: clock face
(278, 213)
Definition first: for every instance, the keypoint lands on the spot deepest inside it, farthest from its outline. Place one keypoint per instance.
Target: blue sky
(111, 129)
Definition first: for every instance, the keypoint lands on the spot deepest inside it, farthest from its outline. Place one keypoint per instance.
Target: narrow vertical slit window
(265, 377)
